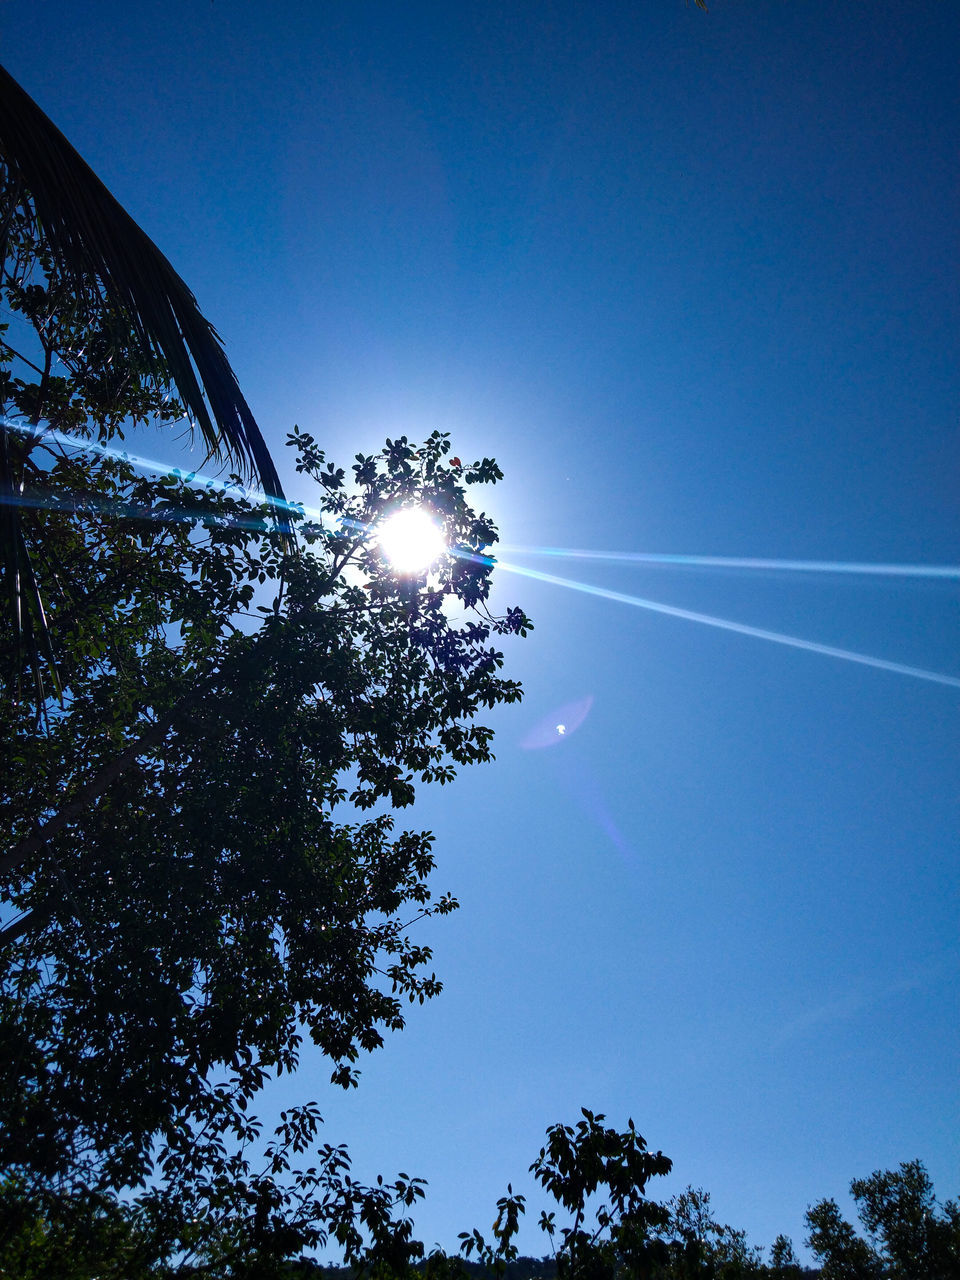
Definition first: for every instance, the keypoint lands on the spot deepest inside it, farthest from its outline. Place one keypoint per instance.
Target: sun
(411, 540)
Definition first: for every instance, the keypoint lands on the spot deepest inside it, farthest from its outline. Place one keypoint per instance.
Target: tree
(700, 1246)
(577, 1162)
(910, 1236)
(598, 1177)
(784, 1264)
(90, 256)
(595, 1173)
(191, 900)
(85, 1237)
(198, 832)
(899, 1210)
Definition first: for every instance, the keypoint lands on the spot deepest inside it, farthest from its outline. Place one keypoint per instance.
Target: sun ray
(740, 628)
(603, 593)
(151, 466)
(655, 559)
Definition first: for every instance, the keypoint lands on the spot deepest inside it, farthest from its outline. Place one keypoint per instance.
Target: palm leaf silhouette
(92, 237)
(91, 234)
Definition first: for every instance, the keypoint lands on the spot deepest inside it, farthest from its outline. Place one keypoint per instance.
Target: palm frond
(29, 629)
(92, 235)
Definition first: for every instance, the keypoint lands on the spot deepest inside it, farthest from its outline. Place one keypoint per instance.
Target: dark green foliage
(843, 1254)
(84, 1236)
(596, 1175)
(909, 1235)
(102, 302)
(783, 1261)
(699, 1245)
(573, 1166)
(195, 905)
(200, 862)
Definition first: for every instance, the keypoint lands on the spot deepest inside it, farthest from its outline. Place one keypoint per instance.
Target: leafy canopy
(909, 1235)
(199, 835)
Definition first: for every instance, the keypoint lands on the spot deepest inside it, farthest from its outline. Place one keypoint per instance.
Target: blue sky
(693, 280)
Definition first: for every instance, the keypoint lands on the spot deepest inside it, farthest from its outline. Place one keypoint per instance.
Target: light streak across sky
(654, 559)
(50, 435)
(739, 628)
(603, 593)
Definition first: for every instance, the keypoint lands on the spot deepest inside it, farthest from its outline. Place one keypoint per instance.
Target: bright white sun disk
(411, 541)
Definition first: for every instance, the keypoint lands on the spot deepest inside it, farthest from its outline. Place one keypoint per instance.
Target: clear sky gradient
(693, 280)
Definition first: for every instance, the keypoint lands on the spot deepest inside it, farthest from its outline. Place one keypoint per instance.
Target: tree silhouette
(67, 242)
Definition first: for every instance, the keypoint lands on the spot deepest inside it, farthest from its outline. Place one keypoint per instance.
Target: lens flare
(558, 725)
(413, 542)
(151, 466)
(740, 628)
(656, 560)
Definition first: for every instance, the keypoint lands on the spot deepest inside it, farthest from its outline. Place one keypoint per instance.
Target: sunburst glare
(411, 540)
